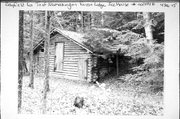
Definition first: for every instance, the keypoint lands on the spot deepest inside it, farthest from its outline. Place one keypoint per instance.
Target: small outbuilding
(69, 57)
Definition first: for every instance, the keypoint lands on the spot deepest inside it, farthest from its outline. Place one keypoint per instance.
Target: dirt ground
(112, 97)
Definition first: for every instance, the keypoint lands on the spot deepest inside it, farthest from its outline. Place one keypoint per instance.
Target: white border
(9, 59)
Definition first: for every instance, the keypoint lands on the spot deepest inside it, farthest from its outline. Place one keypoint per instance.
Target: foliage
(114, 20)
(117, 98)
(137, 25)
(132, 45)
(109, 40)
(97, 40)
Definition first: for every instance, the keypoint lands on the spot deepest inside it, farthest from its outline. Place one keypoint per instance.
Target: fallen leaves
(113, 100)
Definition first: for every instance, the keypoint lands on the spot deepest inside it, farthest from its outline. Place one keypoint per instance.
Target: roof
(80, 39)
(75, 37)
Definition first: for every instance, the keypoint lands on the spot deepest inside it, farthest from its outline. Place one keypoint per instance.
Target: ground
(112, 97)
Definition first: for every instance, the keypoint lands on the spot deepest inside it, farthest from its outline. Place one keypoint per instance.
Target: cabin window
(59, 56)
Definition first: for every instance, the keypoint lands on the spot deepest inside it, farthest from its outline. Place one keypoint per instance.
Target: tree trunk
(46, 46)
(76, 22)
(117, 63)
(31, 84)
(148, 26)
(92, 20)
(102, 19)
(82, 21)
(21, 47)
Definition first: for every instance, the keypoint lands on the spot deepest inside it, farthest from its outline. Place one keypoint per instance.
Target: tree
(46, 81)
(82, 21)
(91, 20)
(20, 64)
(31, 84)
(102, 19)
(56, 19)
(154, 22)
(147, 26)
(38, 30)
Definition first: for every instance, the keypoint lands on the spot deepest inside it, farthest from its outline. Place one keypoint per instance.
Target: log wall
(73, 54)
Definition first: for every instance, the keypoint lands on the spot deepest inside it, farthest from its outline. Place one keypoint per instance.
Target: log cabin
(70, 58)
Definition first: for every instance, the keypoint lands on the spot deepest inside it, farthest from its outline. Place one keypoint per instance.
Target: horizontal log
(73, 51)
(65, 69)
(77, 54)
(74, 71)
(72, 46)
(70, 61)
(72, 57)
(71, 66)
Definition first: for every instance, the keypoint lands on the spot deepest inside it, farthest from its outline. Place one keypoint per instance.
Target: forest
(133, 42)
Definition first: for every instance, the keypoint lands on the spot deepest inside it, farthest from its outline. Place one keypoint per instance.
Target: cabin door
(82, 69)
(59, 56)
